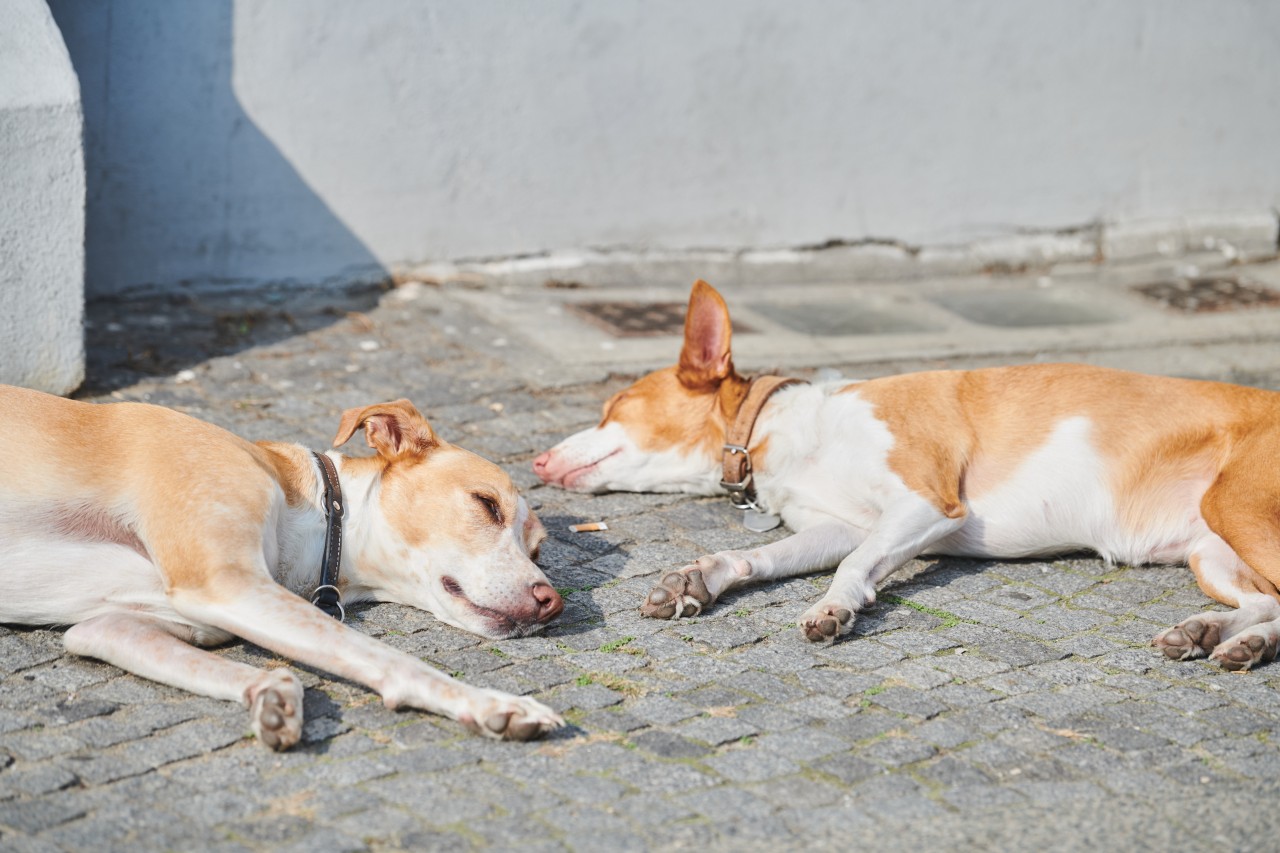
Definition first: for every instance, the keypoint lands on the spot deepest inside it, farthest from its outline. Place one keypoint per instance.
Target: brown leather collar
(737, 479)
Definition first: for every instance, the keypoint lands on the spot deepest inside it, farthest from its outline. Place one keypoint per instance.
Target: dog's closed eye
(491, 506)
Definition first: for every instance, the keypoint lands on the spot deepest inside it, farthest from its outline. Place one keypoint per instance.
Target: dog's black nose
(549, 601)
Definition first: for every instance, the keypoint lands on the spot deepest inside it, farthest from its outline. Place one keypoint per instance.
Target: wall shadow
(186, 196)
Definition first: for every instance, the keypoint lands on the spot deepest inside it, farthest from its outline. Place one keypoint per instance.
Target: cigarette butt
(590, 527)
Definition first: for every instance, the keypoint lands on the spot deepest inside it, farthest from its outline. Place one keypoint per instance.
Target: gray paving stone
(38, 814)
(1188, 699)
(963, 695)
(967, 666)
(1088, 646)
(666, 777)
(715, 697)
(944, 733)
(751, 765)
(1052, 793)
(723, 634)
(835, 683)
(612, 722)
(917, 642)
(952, 772)
(862, 654)
(1016, 683)
(588, 697)
(915, 674)
(775, 718)
(660, 710)
(775, 660)
(36, 779)
(668, 745)
(865, 725)
(822, 707)
(717, 730)
(587, 789)
(807, 745)
(903, 700)
(897, 751)
(1016, 652)
(768, 687)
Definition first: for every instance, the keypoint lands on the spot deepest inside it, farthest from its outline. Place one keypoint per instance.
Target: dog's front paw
(825, 621)
(275, 709)
(504, 717)
(1194, 638)
(682, 593)
(1246, 649)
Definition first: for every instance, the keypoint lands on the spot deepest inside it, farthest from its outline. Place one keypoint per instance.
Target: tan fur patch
(660, 412)
(1156, 433)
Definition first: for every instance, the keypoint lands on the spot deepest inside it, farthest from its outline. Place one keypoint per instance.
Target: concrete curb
(1234, 237)
(42, 218)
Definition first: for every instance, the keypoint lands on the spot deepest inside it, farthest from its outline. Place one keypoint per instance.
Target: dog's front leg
(686, 591)
(267, 614)
(907, 527)
(159, 650)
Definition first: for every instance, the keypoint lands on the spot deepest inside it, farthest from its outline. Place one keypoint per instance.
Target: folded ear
(394, 429)
(705, 359)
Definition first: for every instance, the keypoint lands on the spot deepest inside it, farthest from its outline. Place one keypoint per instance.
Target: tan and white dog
(1004, 462)
(150, 533)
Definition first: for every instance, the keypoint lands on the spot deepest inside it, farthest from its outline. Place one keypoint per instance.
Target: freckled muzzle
(538, 606)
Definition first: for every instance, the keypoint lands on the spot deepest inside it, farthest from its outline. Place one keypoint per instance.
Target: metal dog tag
(759, 522)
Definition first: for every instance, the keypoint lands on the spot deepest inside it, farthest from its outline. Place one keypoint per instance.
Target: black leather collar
(327, 595)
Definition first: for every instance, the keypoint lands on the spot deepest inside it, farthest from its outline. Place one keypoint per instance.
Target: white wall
(234, 140)
(42, 187)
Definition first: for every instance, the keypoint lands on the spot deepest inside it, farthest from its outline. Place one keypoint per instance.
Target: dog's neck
(300, 529)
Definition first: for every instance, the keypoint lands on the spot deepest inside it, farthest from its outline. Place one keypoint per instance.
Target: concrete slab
(1047, 315)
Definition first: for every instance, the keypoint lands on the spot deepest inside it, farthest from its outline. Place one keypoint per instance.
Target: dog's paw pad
(682, 593)
(276, 711)
(826, 622)
(1193, 638)
(516, 718)
(1242, 652)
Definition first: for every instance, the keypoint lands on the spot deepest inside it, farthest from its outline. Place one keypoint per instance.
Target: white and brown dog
(1005, 462)
(150, 533)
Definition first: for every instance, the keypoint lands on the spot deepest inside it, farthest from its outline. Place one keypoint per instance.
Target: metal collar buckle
(740, 493)
(329, 599)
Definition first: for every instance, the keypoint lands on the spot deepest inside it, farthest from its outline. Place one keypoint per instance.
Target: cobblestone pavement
(980, 705)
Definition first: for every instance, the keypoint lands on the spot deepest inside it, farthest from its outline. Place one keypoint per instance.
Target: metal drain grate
(637, 319)
(1209, 294)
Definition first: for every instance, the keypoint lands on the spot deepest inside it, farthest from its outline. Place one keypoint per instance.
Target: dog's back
(81, 477)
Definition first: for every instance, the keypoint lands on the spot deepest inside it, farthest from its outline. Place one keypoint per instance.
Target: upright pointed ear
(394, 429)
(705, 359)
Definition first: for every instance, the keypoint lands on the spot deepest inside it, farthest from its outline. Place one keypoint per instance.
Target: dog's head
(665, 432)
(446, 531)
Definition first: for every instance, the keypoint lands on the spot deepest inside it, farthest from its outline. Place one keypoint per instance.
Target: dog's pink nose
(549, 601)
(540, 465)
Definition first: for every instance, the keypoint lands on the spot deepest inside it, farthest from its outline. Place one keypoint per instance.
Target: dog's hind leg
(1243, 508)
(686, 591)
(1225, 577)
(160, 651)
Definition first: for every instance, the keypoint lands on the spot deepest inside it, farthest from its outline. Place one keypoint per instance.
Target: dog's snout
(540, 465)
(549, 601)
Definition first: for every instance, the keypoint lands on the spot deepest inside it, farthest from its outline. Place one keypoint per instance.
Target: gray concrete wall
(42, 203)
(233, 141)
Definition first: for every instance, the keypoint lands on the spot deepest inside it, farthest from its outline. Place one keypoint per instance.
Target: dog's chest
(827, 456)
